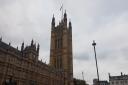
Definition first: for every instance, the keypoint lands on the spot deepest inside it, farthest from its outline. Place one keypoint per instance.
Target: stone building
(79, 82)
(101, 82)
(23, 67)
(118, 80)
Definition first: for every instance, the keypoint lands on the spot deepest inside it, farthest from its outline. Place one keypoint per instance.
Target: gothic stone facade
(118, 80)
(24, 68)
(101, 82)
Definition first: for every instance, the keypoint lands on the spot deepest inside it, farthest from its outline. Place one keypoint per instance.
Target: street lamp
(94, 44)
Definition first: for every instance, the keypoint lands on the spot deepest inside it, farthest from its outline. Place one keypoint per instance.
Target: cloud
(82, 56)
(102, 20)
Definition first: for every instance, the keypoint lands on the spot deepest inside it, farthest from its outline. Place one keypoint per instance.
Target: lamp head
(93, 44)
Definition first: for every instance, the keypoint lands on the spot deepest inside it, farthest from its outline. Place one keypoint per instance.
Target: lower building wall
(27, 76)
(43, 81)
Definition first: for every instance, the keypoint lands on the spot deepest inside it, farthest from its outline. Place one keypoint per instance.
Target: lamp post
(94, 44)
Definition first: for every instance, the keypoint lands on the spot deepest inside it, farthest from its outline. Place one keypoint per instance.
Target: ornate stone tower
(61, 48)
(30, 52)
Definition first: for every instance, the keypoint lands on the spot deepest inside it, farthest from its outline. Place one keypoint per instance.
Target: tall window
(58, 43)
(59, 62)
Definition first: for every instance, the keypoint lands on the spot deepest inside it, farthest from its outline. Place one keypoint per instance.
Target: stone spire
(1, 39)
(22, 46)
(70, 25)
(65, 17)
(53, 22)
(38, 48)
(32, 42)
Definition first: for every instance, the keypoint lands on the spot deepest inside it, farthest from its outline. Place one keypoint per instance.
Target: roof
(122, 77)
(6, 46)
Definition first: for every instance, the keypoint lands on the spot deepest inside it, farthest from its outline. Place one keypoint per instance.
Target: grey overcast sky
(105, 21)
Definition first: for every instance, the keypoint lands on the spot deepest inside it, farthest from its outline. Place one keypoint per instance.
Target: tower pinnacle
(38, 47)
(65, 14)
(22, 46)
(70, 26)
(32, 42)
(53, 22)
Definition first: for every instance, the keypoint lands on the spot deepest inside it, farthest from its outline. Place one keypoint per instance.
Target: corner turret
(38, 48)
(31, 52)
(53, 22)
(1, 39)
(32, 42)
(70, 26)
(22, 46)
(65, 16)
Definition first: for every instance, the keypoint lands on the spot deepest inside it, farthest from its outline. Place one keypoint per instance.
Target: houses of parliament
(22, 67)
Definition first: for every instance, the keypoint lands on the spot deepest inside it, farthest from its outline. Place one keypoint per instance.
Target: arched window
(58, 43)
(59, 62)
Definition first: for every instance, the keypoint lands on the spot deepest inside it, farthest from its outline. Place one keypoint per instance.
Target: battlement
(24, 52)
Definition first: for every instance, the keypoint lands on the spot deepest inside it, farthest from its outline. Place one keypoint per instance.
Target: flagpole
(61, 9)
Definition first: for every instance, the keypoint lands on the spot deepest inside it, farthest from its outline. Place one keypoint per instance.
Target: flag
(61, 8)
